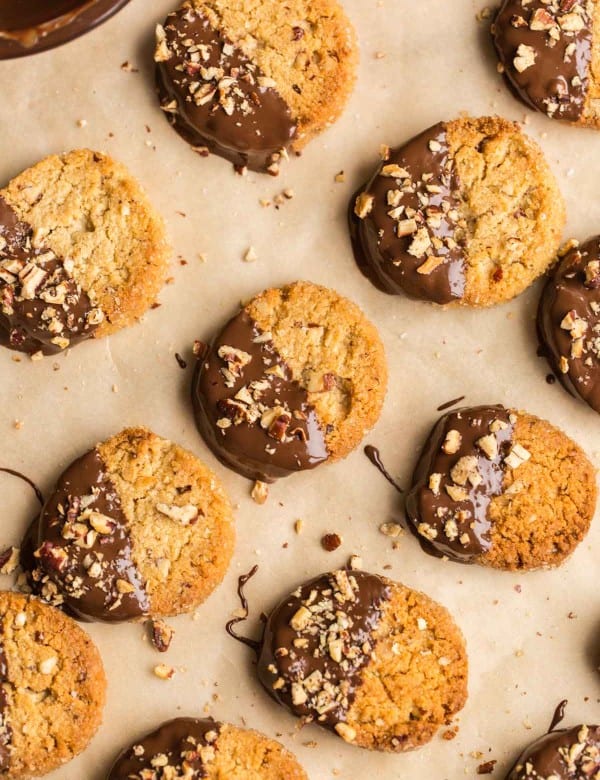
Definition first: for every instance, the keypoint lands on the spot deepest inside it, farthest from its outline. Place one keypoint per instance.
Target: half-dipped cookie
(250, 80)
(52, 688)
(502, 489)
(381, 665)
(467, 212)
(193, 748)
(82, 253)
(566, 754)
(294, 379)
(569, 321)
(136, 527)
(546, 53)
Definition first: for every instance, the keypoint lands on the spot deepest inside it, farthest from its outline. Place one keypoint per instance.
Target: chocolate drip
(568, 754)
(31, 483)
(251, 643)
(316, 642)
(41, 305)
(215, 96)
(546, 63)
(459, 526)
(82, 554)
(252, 414)
(188, 744)
(410, 238)
(559, 715)
(569, 322)
(449, 404)
(5, 730)
(374, 456)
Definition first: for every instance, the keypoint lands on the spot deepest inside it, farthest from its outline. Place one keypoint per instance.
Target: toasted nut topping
(394, 172)
(299, 695)
(517, 456)
(260, 492)
(164, 672)
(101, 523)
(364, 205)
(346, 732)
(525, 58)
(466, 470)
(125, 587)
(392, 530)
(161, 635)
(435, 480)
(452, 442)
(300, 619)
(181, 514)
(457, 493)
(488, 445)
(48, 665)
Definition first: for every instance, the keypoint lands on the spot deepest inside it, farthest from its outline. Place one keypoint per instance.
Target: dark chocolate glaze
(246, 121)
(82, 555)
(459, 529)
(345, 606)
(557, 81)
(29, 319)
(428, 195)
(574, 287)
(293, 441)
(568, 754)
(374, 456)
(180, 740)
(30, 26)
(5, 730)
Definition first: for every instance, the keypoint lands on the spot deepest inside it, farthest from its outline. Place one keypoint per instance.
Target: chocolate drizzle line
(374, 456)
(559, 715)
(406, 230)
(251, 643)
(566, 754)
(250, 411)
(451, 403)
(31, 483)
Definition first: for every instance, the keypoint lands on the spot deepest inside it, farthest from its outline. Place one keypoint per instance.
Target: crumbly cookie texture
(468, 213)
(89, 211)
(54, 686)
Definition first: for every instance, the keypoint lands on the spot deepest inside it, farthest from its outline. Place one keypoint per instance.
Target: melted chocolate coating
(82, 550)
(242, 383)
(5, 730)
(48, 316)
(569, 322)
(557, 80)
(296, 663)
(421, 200)
(568, 754)
(216, 98)
(180, 740)
(444, 525)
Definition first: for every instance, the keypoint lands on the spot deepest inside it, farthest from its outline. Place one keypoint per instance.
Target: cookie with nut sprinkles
(136, 527)
(548, 53)
(52, 688)
(381, 665)
(248, 80)
(501, 488)
(565, 754)
(569, 321)
(468, 212)
(194, 748)
(296, 378)
(82, 253)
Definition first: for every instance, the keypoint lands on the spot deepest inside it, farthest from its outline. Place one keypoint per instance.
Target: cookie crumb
(260, 492)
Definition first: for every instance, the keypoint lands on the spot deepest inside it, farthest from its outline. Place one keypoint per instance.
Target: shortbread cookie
(82, 252)
(569, 321)
(191, 748)
(568, 754)
(549, 52)
(502, 489)
(249, 80)
(294, 379)
(467, 212)
(52, 687)
(135, 527)
(381, 665)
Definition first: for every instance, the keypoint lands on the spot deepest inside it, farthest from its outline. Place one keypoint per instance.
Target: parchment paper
(529, 646)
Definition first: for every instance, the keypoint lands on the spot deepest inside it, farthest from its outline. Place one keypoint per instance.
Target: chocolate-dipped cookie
(136, 527)
(82, 253)
(381, 665)
(546, 50)
(192, 748)
(569, 321)
(468, 212)
(52, 688)
(502, 489)
(249, 80)
(293, 380)
(567, 754)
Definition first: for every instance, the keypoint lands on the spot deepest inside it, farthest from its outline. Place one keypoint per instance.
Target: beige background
(526, 653)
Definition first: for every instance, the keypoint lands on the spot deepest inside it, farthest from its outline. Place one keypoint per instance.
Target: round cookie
(187, 747)
(82, 252)
(249, 80)
(52, 688)
(567, 754)
(136, 527)
(549, 53)
(468, 212)
(569, 321)
(502, 489)
(295, 378)
(381, 665)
